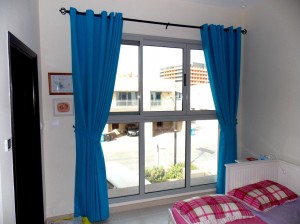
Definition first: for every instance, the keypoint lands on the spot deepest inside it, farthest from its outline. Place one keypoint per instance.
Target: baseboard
(50, 220)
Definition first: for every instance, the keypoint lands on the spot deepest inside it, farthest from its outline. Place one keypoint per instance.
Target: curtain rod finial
(244, 31)
(63, 11)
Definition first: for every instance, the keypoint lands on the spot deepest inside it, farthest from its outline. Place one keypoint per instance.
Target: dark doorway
(26, 139)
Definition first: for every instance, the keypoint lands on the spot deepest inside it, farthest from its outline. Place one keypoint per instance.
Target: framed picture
(60, 83)
(63, 107)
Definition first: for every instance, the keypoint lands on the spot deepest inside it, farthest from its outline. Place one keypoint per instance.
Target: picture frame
(60, 83)
(63, 107)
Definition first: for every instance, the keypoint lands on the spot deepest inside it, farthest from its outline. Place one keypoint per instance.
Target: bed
(245, 174)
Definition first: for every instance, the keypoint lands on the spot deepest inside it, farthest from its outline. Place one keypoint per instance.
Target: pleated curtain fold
(96, 45)
(222, 51)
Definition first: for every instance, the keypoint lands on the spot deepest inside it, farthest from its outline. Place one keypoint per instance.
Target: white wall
(270, 96)
(20, 17)
(59, 145)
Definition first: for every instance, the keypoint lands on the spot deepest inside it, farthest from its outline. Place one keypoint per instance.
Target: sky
(154, 58)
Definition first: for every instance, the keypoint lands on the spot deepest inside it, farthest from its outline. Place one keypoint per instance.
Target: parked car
(133, 132)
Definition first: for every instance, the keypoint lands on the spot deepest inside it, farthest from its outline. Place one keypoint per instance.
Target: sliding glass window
(162, 78)
(162, 133)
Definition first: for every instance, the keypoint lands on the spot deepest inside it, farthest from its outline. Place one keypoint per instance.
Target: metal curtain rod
(64, 11)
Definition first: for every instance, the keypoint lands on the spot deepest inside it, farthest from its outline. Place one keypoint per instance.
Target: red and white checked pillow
(264, 195)
(212, 209)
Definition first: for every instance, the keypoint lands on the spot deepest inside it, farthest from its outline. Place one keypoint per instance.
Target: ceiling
(228, 3)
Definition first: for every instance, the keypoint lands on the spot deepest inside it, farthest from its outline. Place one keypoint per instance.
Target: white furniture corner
(240, 174)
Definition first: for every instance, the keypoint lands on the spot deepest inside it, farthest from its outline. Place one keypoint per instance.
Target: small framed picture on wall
(60, 83)
(63, 107)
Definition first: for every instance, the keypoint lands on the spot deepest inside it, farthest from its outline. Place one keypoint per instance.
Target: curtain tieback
(88, 134)
(230, 125)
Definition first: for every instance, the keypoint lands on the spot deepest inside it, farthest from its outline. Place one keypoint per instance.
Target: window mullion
(188, 77)
(142, 159)
(141, 98)
(188, 155)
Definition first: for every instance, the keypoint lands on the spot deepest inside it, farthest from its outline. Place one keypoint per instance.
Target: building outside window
(155, 98)
(162, 133)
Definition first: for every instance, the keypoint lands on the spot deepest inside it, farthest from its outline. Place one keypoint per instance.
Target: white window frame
(146, 116)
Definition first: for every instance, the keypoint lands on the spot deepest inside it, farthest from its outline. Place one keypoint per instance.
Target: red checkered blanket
(212, 209)
(263, 195)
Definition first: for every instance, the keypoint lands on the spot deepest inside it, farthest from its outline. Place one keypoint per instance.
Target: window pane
(120, 148)
(125, 97)
(201, 96)
(204, 148)
(162, 74)
(164, 155)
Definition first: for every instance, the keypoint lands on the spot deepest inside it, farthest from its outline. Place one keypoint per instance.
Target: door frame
(15, 43)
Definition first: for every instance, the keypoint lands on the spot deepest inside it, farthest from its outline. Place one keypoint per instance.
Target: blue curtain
(222, 51)
(95, 52)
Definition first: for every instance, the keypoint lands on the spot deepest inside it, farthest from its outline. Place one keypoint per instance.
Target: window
(204, 139)
(162, 72)
(127, 99)
(162, 132)
(155, 98)
(200, 92)
(121, 150)
(164, 155)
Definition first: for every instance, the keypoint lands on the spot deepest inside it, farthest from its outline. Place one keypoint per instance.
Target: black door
(26, 140)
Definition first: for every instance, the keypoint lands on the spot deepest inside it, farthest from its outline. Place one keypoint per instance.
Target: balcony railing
(127, 103)
(155, 102)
